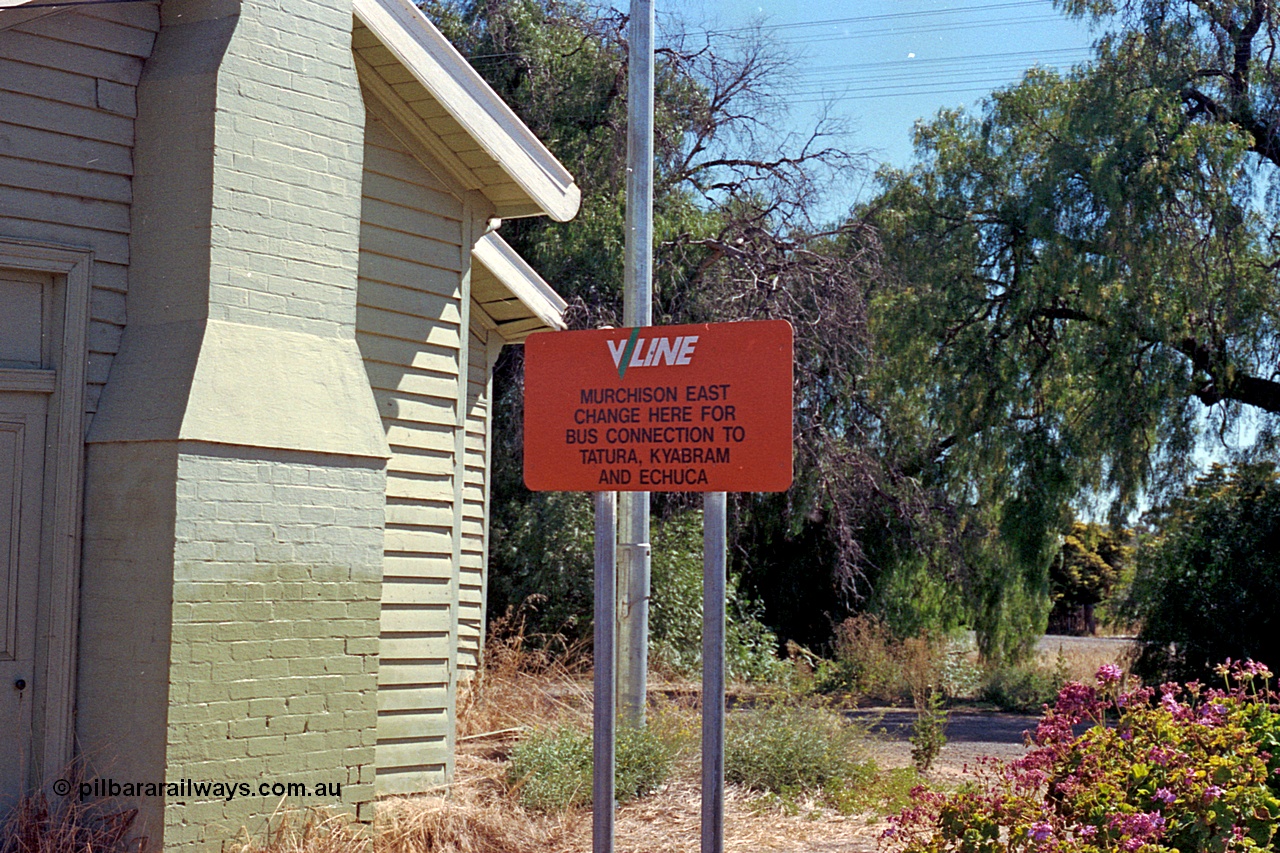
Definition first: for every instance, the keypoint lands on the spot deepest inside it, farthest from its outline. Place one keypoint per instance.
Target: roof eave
(521, 280)
(445, 73)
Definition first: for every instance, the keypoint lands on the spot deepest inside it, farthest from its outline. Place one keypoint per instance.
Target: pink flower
(1212, 792)
(1108, 673)
(1139, 825)
(1251, 667)
(1040, 831)
(1164, 795)
(1212, 713)
(1075, 700)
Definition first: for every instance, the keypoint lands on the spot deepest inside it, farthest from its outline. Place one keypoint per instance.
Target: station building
(251, 292)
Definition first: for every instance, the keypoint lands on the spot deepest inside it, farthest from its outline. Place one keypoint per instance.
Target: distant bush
(675, 610)
(1024, 688)
(1209, 576)
(1091, 562)
(551, 769)
(871, 663)
(929, 731)
(867, 661)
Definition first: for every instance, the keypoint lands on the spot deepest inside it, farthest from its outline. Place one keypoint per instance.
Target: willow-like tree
(1088, 276)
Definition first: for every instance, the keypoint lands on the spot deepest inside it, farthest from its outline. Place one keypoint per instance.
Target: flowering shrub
(1182, 768)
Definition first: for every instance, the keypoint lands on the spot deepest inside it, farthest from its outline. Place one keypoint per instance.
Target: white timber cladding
(409, 325)
(67, 110)
(475, 504)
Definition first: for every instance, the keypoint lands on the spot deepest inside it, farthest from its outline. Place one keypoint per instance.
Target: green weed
(786, 749)
(551, 769)
(1024, 688)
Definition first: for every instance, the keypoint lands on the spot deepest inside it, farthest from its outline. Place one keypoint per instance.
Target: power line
(881, 32)
(951, 64)
(902, 94)
(896, 78)
(926, 28)
(973, 75)
(944, 60)
(825, 22)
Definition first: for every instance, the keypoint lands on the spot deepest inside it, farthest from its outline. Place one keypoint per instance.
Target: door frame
(58, 601)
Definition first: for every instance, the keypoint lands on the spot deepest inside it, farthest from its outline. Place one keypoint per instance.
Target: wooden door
(26, 386)
(22, 431)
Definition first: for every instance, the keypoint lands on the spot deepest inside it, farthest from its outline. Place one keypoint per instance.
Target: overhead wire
(826, 22)
(4, 7)
(876, 32)
(955, 75)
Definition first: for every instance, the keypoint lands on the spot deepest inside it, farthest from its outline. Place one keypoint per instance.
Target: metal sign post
(713, 600)
(637, 310)
(602, 717)
(693, 408)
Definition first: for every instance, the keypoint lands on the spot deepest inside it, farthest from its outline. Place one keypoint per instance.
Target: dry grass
(524, 683)
(523, 688)
(68, 826)
(1081, 656)
(478, 817)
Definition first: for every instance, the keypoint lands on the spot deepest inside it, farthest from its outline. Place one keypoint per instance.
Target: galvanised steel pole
(602, 717)
(713, 602)
(637, 310)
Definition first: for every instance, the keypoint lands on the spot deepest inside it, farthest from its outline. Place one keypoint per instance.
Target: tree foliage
(1086, 278)
(734, 240)
(1209, 575)
(1083, 575)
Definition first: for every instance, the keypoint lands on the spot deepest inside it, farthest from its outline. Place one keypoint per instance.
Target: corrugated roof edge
(446, 74)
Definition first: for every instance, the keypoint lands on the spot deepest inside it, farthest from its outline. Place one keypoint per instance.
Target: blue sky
(883, 64)
(890, 62)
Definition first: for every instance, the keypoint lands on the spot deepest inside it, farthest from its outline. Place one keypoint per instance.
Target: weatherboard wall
(414, 257)
(475, 501)
(67, 108)
(68, 105)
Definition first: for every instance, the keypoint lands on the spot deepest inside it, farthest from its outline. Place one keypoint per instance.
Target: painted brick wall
(273, 670)
(289, 169)
(239, 409)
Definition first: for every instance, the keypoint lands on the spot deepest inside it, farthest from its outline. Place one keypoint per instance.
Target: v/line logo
(651, 352)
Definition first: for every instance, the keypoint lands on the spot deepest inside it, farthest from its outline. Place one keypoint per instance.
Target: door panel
(22, 436)
(24, 298)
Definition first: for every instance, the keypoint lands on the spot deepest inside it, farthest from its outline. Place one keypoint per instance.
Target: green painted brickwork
(236, 479)
(287, 165)
(274, 658)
